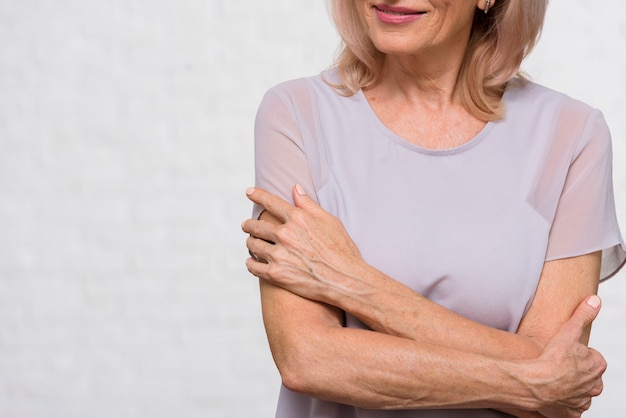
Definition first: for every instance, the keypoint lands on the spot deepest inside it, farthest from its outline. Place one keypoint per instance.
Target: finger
(302, 200)
(598, 388)
(257, 268)
(586, 406)
(266, 216)
(259, 249)
(582, 317)
(255, 258)
(260, 229)
(270, 202)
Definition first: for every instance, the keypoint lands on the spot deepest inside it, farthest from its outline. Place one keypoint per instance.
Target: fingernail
(594, 301)
(300, 190)
(249, 191)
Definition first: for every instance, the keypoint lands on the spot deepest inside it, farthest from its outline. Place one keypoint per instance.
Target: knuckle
(598, 389)
(283, 234)
(269, 205)
(274, 272)
(280, 254)
(604, 364)
(298, 216)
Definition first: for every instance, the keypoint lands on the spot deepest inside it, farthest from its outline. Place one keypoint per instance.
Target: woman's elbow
(300, 367)
(294, 380)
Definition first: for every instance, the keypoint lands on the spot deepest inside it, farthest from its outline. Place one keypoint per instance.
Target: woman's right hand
(304, 250)
(568, 374)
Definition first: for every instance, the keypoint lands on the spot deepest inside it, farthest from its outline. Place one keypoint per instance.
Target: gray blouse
(468, 227)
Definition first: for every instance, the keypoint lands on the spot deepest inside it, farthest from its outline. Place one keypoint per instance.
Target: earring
(487, 6)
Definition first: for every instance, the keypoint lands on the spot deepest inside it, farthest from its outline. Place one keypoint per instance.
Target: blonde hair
(498, 43)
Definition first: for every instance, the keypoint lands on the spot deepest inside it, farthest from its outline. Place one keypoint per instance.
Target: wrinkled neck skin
(418, 96)
(434, 89)
(429, 78)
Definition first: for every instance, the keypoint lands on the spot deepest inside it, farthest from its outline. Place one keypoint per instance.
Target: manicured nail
(300, 190)
(249, 191)
(594, 301)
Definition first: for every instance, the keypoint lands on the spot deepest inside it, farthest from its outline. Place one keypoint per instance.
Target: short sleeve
(585, 219)
(280, 156)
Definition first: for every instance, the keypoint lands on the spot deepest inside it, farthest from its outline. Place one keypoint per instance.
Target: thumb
(583, 316)
(301, 199)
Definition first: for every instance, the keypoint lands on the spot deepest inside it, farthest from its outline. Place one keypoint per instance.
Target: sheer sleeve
(280, 156)
(585, 219)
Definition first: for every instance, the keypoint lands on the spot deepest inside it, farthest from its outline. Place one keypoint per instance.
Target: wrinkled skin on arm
(309, 267)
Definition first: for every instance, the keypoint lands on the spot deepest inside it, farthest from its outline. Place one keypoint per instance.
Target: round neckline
(380, 126)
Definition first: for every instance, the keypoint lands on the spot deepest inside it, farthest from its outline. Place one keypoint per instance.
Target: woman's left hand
(305, 250)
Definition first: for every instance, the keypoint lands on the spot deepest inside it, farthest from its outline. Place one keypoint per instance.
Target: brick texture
(125, 148)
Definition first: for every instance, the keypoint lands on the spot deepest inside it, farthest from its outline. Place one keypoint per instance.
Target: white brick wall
(125, 147)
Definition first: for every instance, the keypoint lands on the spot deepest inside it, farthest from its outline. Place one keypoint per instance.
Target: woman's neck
(410, 81)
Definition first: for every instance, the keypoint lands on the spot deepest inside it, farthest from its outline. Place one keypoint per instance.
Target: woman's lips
(396, 15)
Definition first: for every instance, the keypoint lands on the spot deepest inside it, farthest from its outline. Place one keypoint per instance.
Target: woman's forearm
(371, 370)
(390, 307)
(318, 357)
(377, 371)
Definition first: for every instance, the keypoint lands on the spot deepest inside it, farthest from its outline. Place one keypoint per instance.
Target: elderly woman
(432, 227)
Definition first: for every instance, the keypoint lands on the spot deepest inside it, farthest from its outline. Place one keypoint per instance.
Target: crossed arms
(418, 355)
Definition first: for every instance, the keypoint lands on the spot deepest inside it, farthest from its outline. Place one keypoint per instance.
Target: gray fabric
(469, 227)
